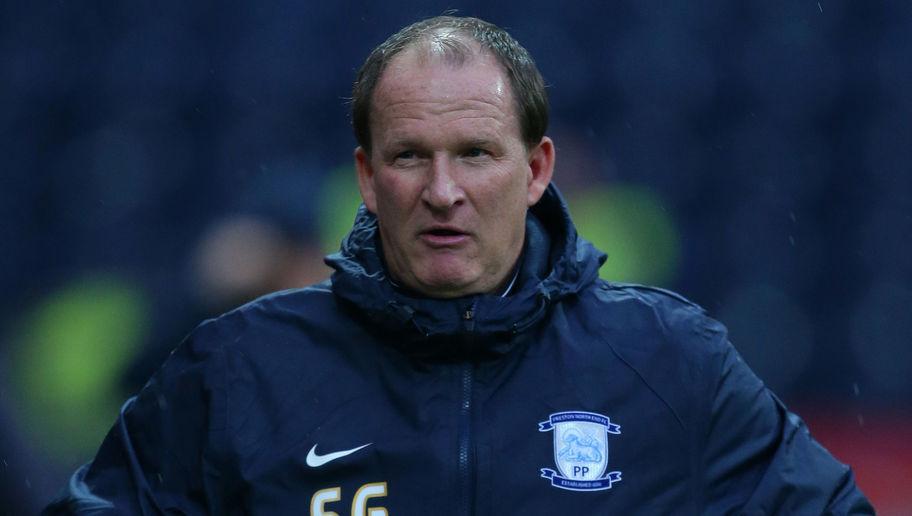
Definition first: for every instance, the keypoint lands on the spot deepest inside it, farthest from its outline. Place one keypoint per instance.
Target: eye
(475, 152)
(404, 158)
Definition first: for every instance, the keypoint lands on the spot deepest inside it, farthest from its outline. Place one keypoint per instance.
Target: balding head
(456, 41)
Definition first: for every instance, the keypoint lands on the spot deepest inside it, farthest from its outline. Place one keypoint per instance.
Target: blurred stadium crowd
(165, 161)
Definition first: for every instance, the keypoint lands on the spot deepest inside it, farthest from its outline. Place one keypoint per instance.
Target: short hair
(446, 34)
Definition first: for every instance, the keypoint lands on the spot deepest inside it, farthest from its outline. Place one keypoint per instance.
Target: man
(464, 358)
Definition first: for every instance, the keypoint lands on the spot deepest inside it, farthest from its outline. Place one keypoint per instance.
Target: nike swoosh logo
(315, 461)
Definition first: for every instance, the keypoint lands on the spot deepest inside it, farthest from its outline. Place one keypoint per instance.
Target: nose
(441, 192)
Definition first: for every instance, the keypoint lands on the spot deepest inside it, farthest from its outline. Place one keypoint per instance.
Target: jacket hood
(555, 263)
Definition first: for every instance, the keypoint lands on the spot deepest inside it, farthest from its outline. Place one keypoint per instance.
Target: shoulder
(639, 308)
(670, 341)
(281, 341)
(644, 296)
(666, 341)
(275, 308)
(273, 317)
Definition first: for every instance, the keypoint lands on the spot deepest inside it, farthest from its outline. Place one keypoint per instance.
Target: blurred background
(162, 162)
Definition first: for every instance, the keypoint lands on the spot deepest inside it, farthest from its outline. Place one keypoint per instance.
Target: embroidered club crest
(580, 451)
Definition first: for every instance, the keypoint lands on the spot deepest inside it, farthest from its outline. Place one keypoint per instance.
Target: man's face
(449, 176)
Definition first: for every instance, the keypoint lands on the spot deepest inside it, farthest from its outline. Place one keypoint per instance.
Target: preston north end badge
(580, 451)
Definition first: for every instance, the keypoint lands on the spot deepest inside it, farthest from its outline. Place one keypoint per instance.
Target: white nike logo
(315, 461)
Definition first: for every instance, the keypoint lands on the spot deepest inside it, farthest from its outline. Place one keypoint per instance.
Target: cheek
(394, 194)
(507, 196)
(505, 212)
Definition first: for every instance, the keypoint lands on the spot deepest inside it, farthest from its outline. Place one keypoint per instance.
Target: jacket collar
(556, 263)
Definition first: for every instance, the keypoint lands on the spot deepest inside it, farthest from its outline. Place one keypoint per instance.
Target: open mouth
(444, 232)
(444, 237)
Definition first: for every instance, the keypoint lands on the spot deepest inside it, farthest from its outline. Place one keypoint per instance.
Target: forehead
(417, 84)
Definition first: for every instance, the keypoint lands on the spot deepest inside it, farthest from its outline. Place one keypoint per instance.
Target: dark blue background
(777, 135)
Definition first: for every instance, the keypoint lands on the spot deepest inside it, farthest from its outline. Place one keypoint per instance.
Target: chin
(447, 286)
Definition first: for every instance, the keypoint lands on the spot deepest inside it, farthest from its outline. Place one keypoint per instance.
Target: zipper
(466, 450)
(466, 455)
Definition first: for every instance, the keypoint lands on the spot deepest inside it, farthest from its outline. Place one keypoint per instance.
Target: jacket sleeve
(760, 452)
(162, 454)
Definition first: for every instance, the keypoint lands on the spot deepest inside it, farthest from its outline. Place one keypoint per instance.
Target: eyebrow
(480, 142)
(410, 142)
(402, 142)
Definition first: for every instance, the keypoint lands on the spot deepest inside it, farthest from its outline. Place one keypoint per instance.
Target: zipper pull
(468, 317)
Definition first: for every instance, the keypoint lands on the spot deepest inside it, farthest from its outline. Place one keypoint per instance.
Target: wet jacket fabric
(570, 395)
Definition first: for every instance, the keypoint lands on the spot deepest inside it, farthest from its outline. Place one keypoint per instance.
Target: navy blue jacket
(571, 395)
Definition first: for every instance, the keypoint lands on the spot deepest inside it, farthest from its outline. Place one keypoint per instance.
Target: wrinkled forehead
(416, 85)
(442, 47)
(424, 65)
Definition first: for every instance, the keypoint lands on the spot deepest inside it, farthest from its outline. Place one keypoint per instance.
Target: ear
(365, 179)
(541, 165)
